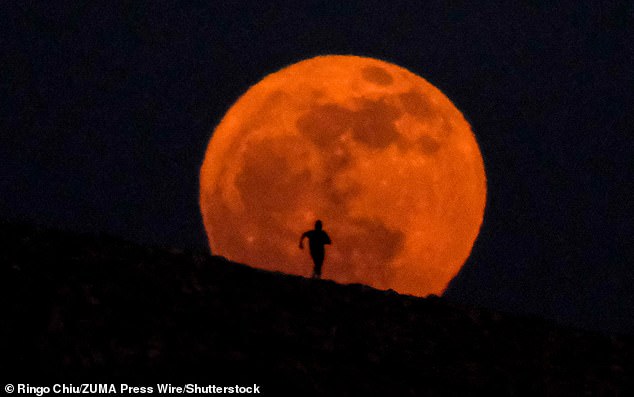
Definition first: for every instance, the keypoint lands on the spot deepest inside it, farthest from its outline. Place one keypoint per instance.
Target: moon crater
(377, 75)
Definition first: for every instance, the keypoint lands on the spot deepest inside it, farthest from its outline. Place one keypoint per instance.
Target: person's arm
(328, 242)
(301, 240)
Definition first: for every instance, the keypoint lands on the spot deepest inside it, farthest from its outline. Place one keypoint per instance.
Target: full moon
(380, 155)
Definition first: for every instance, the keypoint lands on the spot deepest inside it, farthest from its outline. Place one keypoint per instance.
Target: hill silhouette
(95, 308)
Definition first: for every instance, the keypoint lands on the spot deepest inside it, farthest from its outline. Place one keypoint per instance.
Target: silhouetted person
(316, 240)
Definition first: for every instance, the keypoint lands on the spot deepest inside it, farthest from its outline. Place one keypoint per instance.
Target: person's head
(318, 225)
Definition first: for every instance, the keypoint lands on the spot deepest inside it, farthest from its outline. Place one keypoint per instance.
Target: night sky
(106, 111)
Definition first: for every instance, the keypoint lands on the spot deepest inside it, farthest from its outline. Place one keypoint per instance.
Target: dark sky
(106, 111)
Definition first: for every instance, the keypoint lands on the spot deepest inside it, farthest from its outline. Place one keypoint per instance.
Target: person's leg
(317, 272)
(319, 261)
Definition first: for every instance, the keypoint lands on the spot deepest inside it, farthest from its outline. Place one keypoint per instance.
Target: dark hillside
(99, 309)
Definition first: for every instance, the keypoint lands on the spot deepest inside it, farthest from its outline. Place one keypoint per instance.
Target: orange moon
(380, 155)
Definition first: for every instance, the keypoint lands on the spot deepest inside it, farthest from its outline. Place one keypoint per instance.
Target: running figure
(316, 239)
